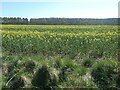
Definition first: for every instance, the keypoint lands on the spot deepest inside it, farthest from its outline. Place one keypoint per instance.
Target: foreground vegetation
(43, 56)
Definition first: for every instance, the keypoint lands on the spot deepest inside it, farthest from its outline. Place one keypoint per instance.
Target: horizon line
(58, 17)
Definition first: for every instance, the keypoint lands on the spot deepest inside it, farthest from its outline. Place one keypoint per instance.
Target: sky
(61, 9)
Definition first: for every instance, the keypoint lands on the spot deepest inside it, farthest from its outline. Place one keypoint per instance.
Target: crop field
(60, 56)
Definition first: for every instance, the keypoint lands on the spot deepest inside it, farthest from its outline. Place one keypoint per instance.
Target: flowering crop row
(67, 40)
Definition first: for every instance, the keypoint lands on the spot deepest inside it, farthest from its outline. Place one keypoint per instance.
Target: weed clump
(87, 63)
(29, 66)
(42, 78)
(104, 73)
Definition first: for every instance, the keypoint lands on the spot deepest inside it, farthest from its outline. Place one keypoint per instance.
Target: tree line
(59, 21)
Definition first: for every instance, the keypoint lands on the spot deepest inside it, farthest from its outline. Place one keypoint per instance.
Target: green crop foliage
(66, 40)
(69, 51)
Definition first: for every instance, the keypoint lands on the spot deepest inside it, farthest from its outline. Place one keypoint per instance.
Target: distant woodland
(59, 21)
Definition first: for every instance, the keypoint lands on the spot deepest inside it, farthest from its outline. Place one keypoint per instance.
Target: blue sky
(76, 9)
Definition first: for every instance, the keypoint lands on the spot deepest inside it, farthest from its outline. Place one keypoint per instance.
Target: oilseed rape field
(60, 56)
